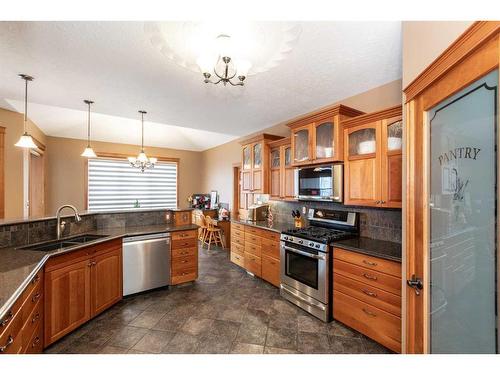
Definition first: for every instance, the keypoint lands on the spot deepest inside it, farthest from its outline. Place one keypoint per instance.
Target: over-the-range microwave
(321, 183)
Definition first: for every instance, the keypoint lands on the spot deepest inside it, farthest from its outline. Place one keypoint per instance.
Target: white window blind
(114, 185)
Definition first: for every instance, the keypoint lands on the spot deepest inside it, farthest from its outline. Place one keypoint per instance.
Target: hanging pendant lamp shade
(88, 152)
(26, 141)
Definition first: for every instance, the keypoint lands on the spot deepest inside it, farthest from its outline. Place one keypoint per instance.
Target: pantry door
(450, 205)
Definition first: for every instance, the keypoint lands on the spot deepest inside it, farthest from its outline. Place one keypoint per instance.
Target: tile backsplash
(378, 223)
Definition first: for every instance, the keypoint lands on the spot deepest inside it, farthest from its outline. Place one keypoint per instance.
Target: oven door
(305, 270)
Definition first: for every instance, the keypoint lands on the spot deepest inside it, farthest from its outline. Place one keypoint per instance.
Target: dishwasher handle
(148, 238)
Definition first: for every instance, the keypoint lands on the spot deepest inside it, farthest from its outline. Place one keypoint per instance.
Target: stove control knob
(317, 246)
(285, 238)
(311, 244)
(301, 242)
(290, 239)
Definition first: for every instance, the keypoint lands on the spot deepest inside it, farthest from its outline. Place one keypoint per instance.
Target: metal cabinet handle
(35, 279)
(367, 262)
(9, 342)
(36, 297)
(305, 253)
(35, 318)
(368, 293)
(317, 305)
(4, 322)
(36, 342)
(368, 312)
(89, 264)
(369, 277)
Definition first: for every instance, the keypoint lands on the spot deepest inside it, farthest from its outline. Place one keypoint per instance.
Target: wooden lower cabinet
(184, 259)
(21, 329)
(367, 296)
(79, 285)
(256, 250)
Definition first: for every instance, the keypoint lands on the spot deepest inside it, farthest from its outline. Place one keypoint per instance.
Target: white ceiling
(116, 65)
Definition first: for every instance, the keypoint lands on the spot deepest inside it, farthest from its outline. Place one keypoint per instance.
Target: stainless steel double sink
(64, 242)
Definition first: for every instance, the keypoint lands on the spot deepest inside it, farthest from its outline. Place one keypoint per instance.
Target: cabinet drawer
(253, 249)
(11, 338)
(237, 248)
(377, 324)
(237, 233)
(271, 270)
(253, 238)
(237, 240)
(184, 235)
(270, 248)
(237, 226)
(270, 235)
(253, 264)
(35, 343)
(7, 319)
(238, 259)
(34, 283)
(32, 300)
(185, 262)
(374, 296)
(377, 264)
(182, 252)
(253, 230)
(184, 275)
(374, 278)
(31, 323)
(181, 244)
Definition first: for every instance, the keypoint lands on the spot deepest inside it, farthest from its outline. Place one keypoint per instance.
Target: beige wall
(66, 171)
(218, 161)
(424, 41)
(13, 124)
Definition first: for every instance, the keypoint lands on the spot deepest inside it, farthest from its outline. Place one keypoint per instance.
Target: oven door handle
(305, 253)
(296, 295)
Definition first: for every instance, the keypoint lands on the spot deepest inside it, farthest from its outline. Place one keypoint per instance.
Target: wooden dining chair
(213, 233)
(203, 230)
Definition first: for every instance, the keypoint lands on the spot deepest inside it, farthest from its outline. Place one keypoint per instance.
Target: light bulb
(131, 159)
(205, 63)
(142, 157)
(153, 160)
(89, 153)
(242, 67)
(26, 141)
(224, 45)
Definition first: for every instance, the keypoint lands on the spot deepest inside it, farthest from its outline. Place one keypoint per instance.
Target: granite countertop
(18, 266)
(277, 226)
(369, 246)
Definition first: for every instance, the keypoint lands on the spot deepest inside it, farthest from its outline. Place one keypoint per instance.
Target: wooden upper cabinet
(282, 177)
(318, 138)
(255, 164)
(373, 159)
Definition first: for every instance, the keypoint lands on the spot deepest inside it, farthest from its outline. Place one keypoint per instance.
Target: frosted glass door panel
(463, 220)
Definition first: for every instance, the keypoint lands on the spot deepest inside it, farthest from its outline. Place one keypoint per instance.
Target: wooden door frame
(2, 172)
(236, 191)
(473, 55)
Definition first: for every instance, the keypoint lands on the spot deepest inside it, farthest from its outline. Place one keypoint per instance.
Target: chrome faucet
(62, 225)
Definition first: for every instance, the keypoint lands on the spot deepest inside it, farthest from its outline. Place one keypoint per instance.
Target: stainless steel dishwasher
(146, 262)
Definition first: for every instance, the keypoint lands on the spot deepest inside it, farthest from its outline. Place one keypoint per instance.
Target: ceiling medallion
(226, 51)
(142, 161)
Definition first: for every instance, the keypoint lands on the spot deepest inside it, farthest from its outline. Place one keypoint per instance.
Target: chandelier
(222, 64)
(142, 161)
(26, 141)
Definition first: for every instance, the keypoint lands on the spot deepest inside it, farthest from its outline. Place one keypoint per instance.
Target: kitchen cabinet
(182, 217)
(367, 296)
(256, 250)
(255, 165)
(373, 159)
(184, 256)
(282, 172)
(317, 138)
(21, 328)
(79, 285)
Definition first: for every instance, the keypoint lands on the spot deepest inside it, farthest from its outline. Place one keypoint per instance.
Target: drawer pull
(9, 342)
(367, 262)
(36, 297)
(35, 318)
(184, 235)
(368, 293)
(36, 342)
(369, 277)
(184, 253)
(184, 261)
(368, 312)
(4, 322)
(35, 279)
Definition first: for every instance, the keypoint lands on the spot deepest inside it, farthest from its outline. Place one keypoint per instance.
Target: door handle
(416, 284)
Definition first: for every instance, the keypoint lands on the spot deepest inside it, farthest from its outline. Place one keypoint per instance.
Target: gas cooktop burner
(319, 234)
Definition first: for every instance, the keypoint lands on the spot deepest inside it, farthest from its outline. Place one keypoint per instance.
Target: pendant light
(26, 141)
(88, 152)
(142, 161)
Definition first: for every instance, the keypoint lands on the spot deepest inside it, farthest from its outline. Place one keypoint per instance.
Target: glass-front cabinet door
(275, 173)
(247, 158)
(463, 254)
(324, 141)
(257, 155)
(301, 141)
(362, 165)
(392, 162)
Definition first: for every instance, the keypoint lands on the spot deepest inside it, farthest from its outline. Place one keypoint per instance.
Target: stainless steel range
(306, 261)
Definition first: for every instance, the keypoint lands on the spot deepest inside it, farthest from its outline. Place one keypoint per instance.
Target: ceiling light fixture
(88, 152)
(142, 161)
(26, 141)
(222, 64)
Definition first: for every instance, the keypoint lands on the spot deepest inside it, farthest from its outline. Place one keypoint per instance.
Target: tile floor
(224, 311)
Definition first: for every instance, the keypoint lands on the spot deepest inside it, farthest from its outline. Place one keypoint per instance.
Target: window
(114, 185)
